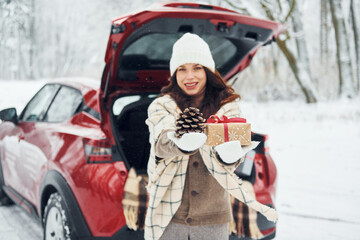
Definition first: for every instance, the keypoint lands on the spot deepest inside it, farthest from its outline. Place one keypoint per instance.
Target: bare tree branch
(293, 2)
(234, 6)
(267, 10)
(280, 5)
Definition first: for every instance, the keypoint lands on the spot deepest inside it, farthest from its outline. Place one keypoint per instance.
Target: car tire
(56, 224)
(4, 199)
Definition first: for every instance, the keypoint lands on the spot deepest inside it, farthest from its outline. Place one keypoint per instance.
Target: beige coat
(167, 178)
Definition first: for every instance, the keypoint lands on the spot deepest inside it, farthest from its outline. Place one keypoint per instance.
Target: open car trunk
(140, 45)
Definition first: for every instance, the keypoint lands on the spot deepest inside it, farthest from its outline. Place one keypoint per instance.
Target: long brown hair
(217, 93)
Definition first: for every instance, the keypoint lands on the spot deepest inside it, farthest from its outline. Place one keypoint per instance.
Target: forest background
(318, 58)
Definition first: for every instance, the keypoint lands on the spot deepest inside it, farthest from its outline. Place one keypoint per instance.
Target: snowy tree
(298, 59)
(32, 40)
(347, 88)
(355, 15)
(300, 64)
(46, 39)
(13, 43)
(324, 32)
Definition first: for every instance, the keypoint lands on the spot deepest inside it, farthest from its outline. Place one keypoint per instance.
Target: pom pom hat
(190, 48)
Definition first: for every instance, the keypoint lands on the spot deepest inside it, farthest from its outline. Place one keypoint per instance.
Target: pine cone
(191, 120)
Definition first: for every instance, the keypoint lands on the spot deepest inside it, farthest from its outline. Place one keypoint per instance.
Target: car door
(47, 139)
(39, 137)
(24, 156)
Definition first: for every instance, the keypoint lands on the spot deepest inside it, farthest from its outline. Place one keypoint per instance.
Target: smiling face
(191, 78)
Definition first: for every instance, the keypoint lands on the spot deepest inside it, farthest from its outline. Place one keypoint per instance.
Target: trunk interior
(129, 113)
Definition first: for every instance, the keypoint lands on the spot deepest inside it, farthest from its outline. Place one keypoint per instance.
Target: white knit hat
(191, 48)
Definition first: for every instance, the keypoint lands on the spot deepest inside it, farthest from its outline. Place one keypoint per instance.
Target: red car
(66, 157)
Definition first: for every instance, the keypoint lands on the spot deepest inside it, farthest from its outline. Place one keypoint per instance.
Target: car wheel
(4, 199)
(56, 225)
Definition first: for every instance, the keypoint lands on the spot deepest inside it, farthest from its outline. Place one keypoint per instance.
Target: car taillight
(260, 162)
(97, 150)
(266, 144)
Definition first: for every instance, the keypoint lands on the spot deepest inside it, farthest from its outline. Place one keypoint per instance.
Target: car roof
(81, 83)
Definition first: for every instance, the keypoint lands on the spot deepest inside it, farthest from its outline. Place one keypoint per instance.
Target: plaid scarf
(135, 200)
(244, 222)
(167, 178)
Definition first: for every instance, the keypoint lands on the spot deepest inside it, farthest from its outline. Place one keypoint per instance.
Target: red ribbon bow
(225, 120)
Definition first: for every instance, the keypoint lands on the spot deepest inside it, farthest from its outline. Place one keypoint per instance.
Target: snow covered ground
(315, 148)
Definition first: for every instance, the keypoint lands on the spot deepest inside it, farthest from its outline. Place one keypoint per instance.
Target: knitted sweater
(167, 177)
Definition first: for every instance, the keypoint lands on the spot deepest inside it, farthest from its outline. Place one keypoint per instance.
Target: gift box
(227, 129)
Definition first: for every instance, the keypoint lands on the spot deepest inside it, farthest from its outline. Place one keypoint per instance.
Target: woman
(189, 184)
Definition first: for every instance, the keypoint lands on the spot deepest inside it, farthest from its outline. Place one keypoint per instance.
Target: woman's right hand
(189, 141)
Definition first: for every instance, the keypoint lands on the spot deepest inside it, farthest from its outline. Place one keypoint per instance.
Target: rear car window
(153, 52)
(144, 56)
(64, 106)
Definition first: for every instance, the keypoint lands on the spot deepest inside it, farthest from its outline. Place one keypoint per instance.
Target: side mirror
(10, 115)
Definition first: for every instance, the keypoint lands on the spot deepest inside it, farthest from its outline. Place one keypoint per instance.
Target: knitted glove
(231, 152)
(189, 141)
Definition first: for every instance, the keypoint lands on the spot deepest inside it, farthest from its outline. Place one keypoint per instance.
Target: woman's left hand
(230, 152)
